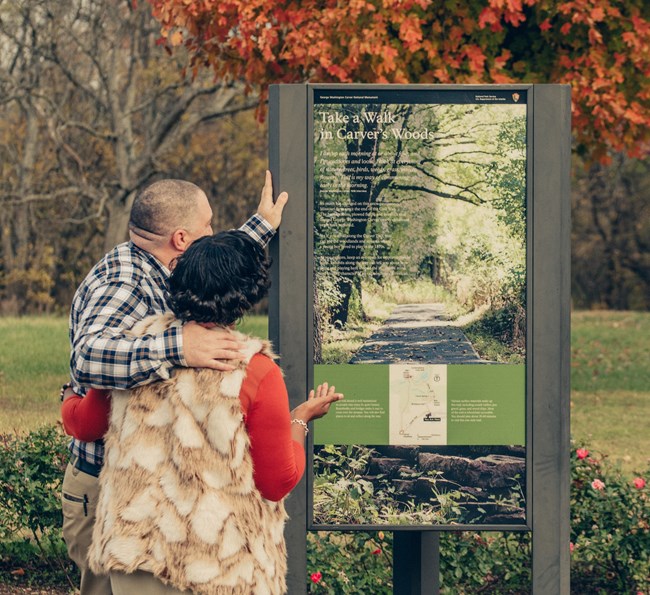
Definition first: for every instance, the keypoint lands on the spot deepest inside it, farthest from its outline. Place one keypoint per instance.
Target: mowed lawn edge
(610, 359)
(34, 363)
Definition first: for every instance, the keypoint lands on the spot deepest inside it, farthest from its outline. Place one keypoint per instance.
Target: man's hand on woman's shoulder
(210, 348)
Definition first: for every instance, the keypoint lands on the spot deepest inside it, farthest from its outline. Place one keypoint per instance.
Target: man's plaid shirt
(127, 285)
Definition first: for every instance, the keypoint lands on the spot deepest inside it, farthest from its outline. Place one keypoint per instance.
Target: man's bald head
(166, 206)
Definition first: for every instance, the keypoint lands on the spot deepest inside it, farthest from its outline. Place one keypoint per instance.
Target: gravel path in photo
(417, 333)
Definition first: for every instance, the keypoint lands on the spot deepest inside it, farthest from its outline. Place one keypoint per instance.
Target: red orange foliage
(600, 47)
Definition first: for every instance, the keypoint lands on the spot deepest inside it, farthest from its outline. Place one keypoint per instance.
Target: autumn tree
(600, 47)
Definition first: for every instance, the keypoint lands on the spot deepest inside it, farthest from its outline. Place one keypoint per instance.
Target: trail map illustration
(418, 404)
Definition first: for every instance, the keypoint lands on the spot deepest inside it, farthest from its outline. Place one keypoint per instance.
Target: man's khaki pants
(79, 503)
(141, 583)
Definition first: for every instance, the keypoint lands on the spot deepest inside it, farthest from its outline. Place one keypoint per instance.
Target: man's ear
(180, 240)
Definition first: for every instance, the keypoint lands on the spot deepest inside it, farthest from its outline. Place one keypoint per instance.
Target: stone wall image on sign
(406, 485)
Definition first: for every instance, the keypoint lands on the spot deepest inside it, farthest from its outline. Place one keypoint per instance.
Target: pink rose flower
(571, 546)
(316, 577)
(639, 483)
(582, 453)
(597, 484)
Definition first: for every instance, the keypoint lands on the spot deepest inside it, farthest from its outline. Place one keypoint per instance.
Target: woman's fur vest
(177, 496)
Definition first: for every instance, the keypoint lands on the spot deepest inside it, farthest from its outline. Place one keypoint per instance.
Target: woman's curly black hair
(219, 278)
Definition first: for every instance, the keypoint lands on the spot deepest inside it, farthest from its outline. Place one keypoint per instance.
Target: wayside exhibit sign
(422, 267)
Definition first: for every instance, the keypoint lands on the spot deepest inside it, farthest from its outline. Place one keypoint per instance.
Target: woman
(196, 466)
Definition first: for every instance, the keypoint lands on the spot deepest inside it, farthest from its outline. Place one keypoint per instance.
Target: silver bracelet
(301, 423)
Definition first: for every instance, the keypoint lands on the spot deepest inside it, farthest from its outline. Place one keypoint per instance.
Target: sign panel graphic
(420, 306)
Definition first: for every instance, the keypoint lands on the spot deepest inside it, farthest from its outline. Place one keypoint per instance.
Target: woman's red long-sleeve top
(278, 460)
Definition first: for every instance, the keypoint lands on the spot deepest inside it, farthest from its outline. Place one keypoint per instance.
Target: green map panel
(486, 404)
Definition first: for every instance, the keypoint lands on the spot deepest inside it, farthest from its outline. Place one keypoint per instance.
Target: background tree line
(93, 109)
(611, 235)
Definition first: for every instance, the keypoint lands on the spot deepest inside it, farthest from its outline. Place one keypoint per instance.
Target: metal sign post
(551, 338)
(416, 563)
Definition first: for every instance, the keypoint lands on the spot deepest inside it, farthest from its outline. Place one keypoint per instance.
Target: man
(127, 285)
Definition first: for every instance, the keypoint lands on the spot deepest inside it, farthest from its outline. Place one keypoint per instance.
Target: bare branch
(431, 175)
(86, 128)
(149, 101)
(172, 117)
(438, 193)
(17, 199)
(249, 105)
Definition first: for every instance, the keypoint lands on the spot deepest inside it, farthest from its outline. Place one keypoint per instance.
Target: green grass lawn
(610, 384)
(614, 423)
(34, 364)
(610, 351)
(610, 398)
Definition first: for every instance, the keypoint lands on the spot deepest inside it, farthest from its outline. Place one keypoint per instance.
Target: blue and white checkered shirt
(127, 285)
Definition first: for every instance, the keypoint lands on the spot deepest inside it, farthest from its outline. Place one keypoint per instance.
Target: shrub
(610, 543)
(610, 532)
(352, 563)
(31, 473)
(361, 562)
(610, 527)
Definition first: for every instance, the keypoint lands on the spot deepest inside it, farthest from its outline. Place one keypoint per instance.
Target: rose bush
(31, 547)
(610, 545)
(610, 533)
(610, 528)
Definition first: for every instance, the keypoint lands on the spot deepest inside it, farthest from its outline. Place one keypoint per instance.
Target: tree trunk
(360, 155)
(118, 211)
(17, 248)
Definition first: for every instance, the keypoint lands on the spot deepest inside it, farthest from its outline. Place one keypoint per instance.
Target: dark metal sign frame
(548, 320)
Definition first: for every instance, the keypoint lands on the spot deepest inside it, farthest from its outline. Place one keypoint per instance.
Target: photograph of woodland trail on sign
(420, 307)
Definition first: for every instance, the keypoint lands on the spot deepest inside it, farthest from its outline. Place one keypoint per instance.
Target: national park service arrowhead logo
(515, 97)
